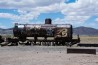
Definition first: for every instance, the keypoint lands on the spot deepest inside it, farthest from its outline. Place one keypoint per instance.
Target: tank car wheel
(54, 44)
(11, 44)
(48, 44)
(57, 43)
(69, 44)
(16, 44)
(21, 43)
(63, 43)
(28, 43)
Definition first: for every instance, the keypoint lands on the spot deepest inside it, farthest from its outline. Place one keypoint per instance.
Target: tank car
(61, 34)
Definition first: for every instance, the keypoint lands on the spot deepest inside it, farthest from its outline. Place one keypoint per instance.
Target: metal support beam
(87, 45)
(81, 51)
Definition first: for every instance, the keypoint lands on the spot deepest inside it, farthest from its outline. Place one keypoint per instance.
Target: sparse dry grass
(89, 39)
(5, 35)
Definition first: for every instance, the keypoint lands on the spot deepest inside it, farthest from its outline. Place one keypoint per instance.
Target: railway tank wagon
(62, 34)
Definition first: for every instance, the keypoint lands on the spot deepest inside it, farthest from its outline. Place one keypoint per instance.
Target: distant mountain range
(6, 31)
(85, 31)
(78, 30)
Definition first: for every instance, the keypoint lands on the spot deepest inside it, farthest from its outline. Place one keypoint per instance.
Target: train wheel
(69, 44)
(22, 43)
(28, 43)
(54, 43)
(57, 43)
(16, 44)
(63, 43)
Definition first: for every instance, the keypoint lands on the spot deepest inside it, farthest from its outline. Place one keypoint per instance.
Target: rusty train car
(32, 34)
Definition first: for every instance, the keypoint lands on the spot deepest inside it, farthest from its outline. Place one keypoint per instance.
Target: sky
(75, 12)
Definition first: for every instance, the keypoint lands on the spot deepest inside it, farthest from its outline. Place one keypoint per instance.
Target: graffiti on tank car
(49, 31)
(60, 34)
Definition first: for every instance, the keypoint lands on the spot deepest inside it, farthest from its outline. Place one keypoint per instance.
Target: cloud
(78, 11)
(27, 3)
(29, 9)
(76, 18)
(72, 19)
(18, 18)
(96, 19)
(8, 15)
(81, 7)
(4, 27)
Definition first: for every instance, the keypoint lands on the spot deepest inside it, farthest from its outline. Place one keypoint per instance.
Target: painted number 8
(64, 32)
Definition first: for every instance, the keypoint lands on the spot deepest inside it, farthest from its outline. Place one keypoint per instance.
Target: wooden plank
(81, 51)
(88, 45)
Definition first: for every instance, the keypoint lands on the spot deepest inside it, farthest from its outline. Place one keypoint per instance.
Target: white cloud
(81, 7)
(27, 3)
(9, 16)
(6, 15)
(72, 19)
(4, 27)
(76, 19)
(29, 9)
(75, 13)
(78, 12)
(16, 18)
(96, 19)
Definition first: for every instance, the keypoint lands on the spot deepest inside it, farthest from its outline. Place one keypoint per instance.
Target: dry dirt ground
(43, 55)
(89, 39)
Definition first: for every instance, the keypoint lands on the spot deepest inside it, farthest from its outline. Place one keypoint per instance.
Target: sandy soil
(39, 55)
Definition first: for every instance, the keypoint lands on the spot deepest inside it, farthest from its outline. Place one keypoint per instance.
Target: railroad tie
(81, 50)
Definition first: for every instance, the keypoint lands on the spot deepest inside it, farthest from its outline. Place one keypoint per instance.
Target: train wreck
(47, 34)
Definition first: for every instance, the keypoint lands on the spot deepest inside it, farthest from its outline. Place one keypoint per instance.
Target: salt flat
(43, 55)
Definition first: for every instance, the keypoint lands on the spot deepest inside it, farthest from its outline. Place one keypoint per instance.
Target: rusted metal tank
(28, 30)
(60, 32)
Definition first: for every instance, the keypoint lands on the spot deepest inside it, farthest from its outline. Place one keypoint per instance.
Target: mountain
(6, 31)
(78, 30)
(85, 31)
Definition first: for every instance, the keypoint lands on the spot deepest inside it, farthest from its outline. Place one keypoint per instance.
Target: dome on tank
(48, 21)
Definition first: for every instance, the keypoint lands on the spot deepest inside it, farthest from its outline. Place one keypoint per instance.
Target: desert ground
(44, 55)
(89, 39)
(47, 55)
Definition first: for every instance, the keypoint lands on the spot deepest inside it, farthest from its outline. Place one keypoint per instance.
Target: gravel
(43, 55)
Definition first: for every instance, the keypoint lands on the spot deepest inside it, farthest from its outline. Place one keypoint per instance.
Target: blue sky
(75, 12)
